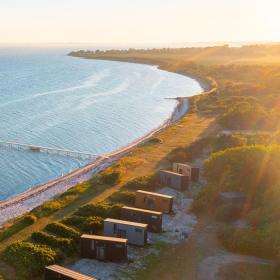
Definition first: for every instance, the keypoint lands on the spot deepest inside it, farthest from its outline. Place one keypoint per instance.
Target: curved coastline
(30, 199)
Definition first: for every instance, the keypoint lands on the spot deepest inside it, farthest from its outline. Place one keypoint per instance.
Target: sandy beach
(26, 201)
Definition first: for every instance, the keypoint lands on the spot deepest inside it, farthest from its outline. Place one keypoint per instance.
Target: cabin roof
(104, 238)
(142, 210)
(68, 272)
(173, 173)
(184, 164)
(155, 194)
(115, 221)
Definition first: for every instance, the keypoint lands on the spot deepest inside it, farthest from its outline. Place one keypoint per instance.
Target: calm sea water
(50, 99)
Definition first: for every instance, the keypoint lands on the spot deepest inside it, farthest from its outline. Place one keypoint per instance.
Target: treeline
(224, 50)
(254, 171)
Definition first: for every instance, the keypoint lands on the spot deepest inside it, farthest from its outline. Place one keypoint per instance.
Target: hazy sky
(135, 21)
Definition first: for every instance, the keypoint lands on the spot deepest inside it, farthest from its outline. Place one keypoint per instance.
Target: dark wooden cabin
(103, 248)
(174, 180)
(152, 218)
(154, 201)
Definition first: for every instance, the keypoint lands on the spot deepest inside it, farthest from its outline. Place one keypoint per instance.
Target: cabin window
(92, 244)
(115, 228)
(154, 217)
(118, 246)
(138, 230)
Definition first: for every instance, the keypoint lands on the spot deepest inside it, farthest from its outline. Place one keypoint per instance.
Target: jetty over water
(52, 151)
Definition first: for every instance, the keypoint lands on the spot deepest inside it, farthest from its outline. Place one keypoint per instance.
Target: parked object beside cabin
(187, 170)
(56, 272)
(103, 248)
(153, 201)
(136, 233)
(174, 180)
(152, 218)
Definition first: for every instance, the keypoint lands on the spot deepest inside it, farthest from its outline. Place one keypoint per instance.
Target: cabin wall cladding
(103, 248)
(56, 272)
(153, 201)
(187, 170)
(135, 233)
(174, 180)
(152, 218)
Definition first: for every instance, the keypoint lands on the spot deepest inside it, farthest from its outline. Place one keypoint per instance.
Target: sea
(50, 99)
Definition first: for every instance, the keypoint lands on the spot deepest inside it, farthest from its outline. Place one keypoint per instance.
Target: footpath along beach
(24, 202)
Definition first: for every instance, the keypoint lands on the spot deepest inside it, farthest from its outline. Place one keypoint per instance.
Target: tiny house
(103, 248)
(186, 169)
(174, 180)
(136, 233)
(56, 272)
(153, 201)
(152, 218)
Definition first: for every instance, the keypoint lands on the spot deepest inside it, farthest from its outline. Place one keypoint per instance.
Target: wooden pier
(52, 151)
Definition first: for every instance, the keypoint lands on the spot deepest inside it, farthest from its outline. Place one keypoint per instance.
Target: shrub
(29, 219)
(203, 199)
(62, 231)
(74, 220)
(28, 258)
(223, 142)
(17, 226)
(228, 212)
(249, 241)
(244, 116)
(124, 197)
(143, 182)
(85, 224)
(47, 208)
(104, 210)
(92, 224)
(153, 141)
(64, 244)
(112, 175)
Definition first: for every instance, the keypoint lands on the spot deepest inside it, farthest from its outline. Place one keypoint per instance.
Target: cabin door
(121, 233)
(100, 253)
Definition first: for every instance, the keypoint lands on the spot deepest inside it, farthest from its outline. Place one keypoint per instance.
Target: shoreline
(24, 202)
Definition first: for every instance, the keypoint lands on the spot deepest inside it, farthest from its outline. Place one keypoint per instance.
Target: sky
(138, 21)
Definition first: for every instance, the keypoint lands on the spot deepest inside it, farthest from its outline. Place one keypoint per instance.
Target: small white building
(136, 233)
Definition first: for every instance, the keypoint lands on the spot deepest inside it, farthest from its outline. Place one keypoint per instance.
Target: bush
(249, 241)
(29, 219)
(112, 175)
(85, 224)
(28, 258)
(92, 224)
(64, 244)
(223, 142)
(143, 182)
(62, 231)
(17, 226)
(228, 212)
(153, 141)
(124, 197)
(47, 208)
(244, 116)
(203, 199)
(104, 210)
